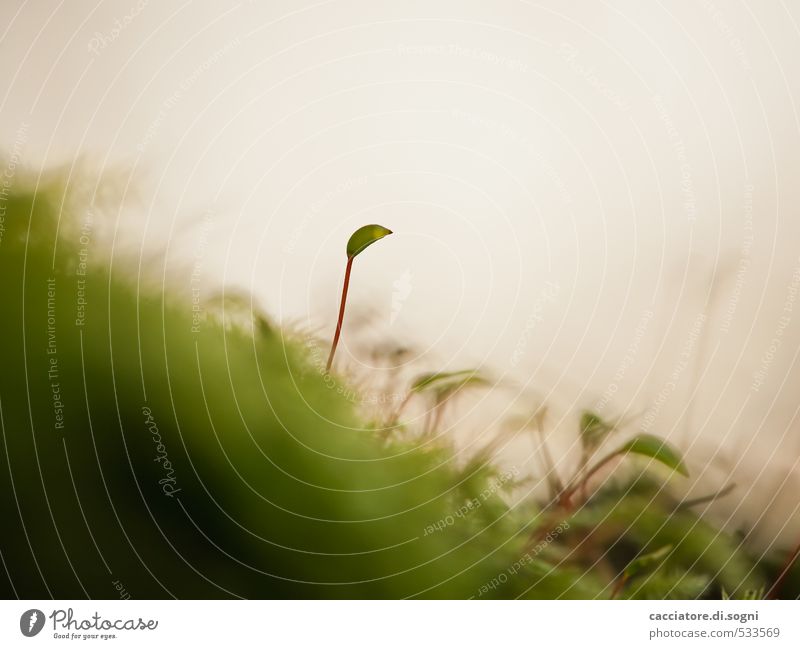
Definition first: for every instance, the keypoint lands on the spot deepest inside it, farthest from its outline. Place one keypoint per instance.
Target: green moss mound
(154, 454)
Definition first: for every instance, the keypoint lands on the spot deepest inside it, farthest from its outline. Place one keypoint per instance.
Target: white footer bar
(411, 624)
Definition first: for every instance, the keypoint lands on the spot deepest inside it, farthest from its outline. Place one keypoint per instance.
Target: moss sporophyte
(361, 239)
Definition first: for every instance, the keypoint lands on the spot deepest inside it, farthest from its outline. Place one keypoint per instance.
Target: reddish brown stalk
(341, 312)
(618, 586)
(396, 414)
(776, 587)
(437, 416)
(553, 481)
(565, 499)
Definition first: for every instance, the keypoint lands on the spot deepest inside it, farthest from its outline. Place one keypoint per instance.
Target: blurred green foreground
(151, 454)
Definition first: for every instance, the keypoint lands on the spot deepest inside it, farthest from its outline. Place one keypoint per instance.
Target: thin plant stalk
(341, 313)
(361, 239)
(618, 586)
(553, 481)
(787, 566)
(437, 415)
(565, 499)
(395, 416)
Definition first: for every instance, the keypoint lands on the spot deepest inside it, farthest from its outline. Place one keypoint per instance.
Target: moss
(190, 458)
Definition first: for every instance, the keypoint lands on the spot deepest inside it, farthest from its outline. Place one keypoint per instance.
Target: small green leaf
(702, 500)
(443, 382)
(754, 594)
(594, 430)
(646, 562)
(365, 236)
(656, 448)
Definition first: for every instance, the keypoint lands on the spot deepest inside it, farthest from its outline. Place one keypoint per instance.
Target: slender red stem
(566, 495)
(618, 586)
(396, 414)
(341, 312)
(776, 587)
(437, 415)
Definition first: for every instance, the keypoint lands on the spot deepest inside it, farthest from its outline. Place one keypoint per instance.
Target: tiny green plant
(360, 239)
(642, 564)
(642, 444)
(443, 386)
(752, 594)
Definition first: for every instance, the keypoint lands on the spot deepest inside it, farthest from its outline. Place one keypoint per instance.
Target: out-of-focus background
(594, 202)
